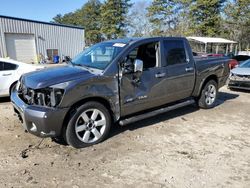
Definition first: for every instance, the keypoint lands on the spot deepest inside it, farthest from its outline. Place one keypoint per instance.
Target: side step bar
(155, 112)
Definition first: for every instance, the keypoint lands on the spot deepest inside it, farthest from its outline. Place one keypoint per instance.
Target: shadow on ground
(4, 99)
(223, 97)
(116, 129)
(154, 120)
(240, 90)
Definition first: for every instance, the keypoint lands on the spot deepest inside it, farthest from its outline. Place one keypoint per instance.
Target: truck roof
(136, 39)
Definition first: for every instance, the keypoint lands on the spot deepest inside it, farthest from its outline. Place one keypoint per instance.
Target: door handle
(160, 75)
(189, 69)
(7, 74)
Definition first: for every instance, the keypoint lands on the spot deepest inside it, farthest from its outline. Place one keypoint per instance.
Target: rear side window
(1, 66)
(9, 66)
(175, 52)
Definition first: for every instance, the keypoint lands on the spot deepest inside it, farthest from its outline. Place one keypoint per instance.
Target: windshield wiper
(81, 65)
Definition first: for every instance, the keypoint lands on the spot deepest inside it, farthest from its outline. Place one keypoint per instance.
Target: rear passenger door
(180, 69)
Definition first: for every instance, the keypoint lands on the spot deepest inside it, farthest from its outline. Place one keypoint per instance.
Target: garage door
(21, 47)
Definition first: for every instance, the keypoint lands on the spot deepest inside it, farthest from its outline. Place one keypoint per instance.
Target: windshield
(245, 64)
(99, 56)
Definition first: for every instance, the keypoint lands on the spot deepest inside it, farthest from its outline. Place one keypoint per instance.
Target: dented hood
(51, 76)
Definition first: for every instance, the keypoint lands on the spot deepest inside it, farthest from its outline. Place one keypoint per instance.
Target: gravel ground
(188, 147)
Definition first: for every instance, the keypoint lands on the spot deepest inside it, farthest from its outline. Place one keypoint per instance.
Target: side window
(1, 66)
(148, 53)
(9, 66)
(175, 52)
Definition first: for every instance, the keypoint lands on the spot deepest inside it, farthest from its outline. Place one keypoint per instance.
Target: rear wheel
(208, 95)
(89, 125)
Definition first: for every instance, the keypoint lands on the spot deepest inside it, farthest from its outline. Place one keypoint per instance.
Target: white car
(10, 72)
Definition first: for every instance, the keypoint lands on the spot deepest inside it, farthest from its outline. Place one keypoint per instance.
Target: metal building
(28, 40)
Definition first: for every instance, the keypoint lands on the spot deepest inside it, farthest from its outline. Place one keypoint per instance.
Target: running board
(155, 112)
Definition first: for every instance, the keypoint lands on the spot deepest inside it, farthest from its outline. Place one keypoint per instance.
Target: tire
(208, 95)
(12, 87)
(89, 125)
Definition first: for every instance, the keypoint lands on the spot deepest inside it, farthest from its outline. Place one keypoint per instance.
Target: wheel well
(14, 83)
(81, 102)
(211, 77)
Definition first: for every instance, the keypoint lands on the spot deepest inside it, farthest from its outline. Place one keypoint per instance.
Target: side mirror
(138, 66)
(67, 58)
(128, 66)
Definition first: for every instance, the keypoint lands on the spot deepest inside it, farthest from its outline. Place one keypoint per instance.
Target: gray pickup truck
(116, 82)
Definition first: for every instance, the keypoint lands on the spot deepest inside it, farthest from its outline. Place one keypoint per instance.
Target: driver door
(143, 92)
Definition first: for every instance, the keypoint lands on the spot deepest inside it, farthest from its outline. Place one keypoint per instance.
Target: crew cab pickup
(116, 82)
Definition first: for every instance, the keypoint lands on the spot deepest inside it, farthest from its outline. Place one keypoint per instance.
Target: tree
(205, 17)
(88, 17)
(163, 16)
(69, 18)
(237, 21)
(113, 18)
(183, 20)
(139, 24)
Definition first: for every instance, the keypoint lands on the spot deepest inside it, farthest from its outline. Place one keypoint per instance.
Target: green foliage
(116, 18)
(237, 21)
(69, 18)
(113, 18)
(205, 17)
(163, 15)
(88, 17)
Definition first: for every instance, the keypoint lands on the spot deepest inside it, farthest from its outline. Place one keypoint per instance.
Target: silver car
(240, 77)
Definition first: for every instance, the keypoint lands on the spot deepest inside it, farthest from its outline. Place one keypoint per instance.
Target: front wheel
(208, 95)
(12, 87)
(89, 125)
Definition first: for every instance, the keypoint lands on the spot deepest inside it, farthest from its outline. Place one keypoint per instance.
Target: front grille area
(239, 84)
(240, 77)
(48, 97)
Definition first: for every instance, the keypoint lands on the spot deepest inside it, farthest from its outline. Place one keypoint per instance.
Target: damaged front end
(48, 97)
(39, 109)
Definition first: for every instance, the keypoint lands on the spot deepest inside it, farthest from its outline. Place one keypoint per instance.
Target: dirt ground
(187, 148)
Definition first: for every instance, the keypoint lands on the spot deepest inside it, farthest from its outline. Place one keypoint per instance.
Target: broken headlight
(49, 97)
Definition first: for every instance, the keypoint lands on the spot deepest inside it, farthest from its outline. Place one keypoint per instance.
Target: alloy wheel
(210, 94)
(90, 126)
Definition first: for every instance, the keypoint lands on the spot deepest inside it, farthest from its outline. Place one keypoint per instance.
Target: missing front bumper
(39, 121)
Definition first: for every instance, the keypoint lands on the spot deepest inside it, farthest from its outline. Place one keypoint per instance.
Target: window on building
(175, 52)
(51, 53)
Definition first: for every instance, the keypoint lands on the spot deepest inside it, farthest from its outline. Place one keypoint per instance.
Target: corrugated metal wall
(68, 40)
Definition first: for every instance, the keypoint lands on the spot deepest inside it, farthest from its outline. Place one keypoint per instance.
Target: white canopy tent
(212, 40)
